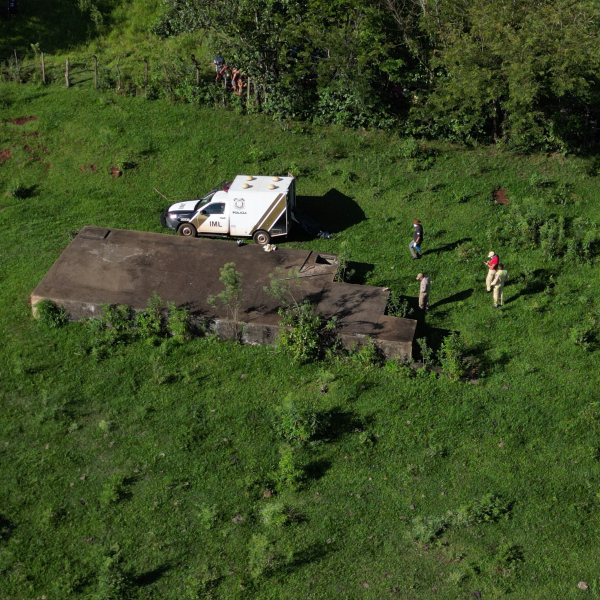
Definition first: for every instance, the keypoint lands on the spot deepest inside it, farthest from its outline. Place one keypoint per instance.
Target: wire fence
(172, 78)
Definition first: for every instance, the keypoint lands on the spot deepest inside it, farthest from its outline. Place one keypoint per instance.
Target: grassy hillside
(142, 472)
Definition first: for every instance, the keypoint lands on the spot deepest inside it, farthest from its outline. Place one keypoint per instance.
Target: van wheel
(262, 238)
(187, 230)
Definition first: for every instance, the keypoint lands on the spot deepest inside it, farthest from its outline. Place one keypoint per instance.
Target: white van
(250, 206)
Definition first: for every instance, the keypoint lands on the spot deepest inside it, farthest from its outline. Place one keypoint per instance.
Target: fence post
(43, 69)
(118, 74)
(67, 73)
(146, 77)
(95, 71)
(18, 69)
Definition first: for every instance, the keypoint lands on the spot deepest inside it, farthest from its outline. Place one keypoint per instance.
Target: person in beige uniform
(498, 285)
(492, 266)
(423, 291)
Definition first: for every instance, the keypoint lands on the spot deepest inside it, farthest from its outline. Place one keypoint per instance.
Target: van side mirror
(203, 212)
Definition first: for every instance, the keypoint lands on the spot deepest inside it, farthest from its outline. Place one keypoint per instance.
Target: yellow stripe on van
(277, 212)
(266, 214)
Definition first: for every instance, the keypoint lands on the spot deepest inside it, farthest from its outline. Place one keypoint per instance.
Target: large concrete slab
(118, 266)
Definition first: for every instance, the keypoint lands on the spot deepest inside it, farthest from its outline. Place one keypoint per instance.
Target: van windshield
(205, 200)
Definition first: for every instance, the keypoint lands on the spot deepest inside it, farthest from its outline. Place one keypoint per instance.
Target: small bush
(465, 252)
(113, 582)
(208, 515)
(342, 272)
(119, 319)
(113, 490)
(178, 322)
(400, 367)
(584, 334)
(366, 440)
(291, 472)
(410, 148)
(451, 357)
(50, 314)
(263, 556)
(53, 516)
(426, 351)
(278, 514)
(552, 237)
(149, 323)
(368, 355)
(489, 509)
(299, 423)
(426, 529)
(397, 306)
(201, 585)
(303, 341)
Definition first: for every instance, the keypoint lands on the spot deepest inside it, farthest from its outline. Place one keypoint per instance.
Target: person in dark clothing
(13, 7)
(218, 62)
(415, 245)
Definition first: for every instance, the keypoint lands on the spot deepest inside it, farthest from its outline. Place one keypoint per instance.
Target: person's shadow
(458, 297)
(447, 247)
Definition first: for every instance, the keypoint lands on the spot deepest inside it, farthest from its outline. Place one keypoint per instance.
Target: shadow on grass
(150, 577)
(458, 297)
(334, 211)
(434, 336)
(317, 468)
(308, 555)
(6, 528)
(342, 422)
(534, 284)
(447, 247)
(360, 272)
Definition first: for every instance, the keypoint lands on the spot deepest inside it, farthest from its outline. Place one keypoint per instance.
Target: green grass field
(142, 474)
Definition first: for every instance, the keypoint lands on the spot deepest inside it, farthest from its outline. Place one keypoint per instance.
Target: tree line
(519, 72)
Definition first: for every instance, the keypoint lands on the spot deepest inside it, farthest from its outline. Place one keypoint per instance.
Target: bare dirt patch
(22, 120)
(116, 172)
(92, 168)
(5, 155)
(500, 197)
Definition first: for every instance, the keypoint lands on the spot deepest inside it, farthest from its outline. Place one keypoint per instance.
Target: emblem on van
(239, 202)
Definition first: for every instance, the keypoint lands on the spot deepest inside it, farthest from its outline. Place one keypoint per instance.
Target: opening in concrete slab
(326, 259)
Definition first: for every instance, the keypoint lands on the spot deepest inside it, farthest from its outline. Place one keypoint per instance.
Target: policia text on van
(258, 207)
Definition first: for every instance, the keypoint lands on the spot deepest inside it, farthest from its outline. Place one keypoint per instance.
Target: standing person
(498, 284)
(492, 266)
(415, 245)
(424, 291)
(225, 74)
(218, 62)
(236, 81)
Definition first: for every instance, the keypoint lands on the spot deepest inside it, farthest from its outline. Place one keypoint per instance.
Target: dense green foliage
(145, 469)
(525, 72)
(521, 72)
